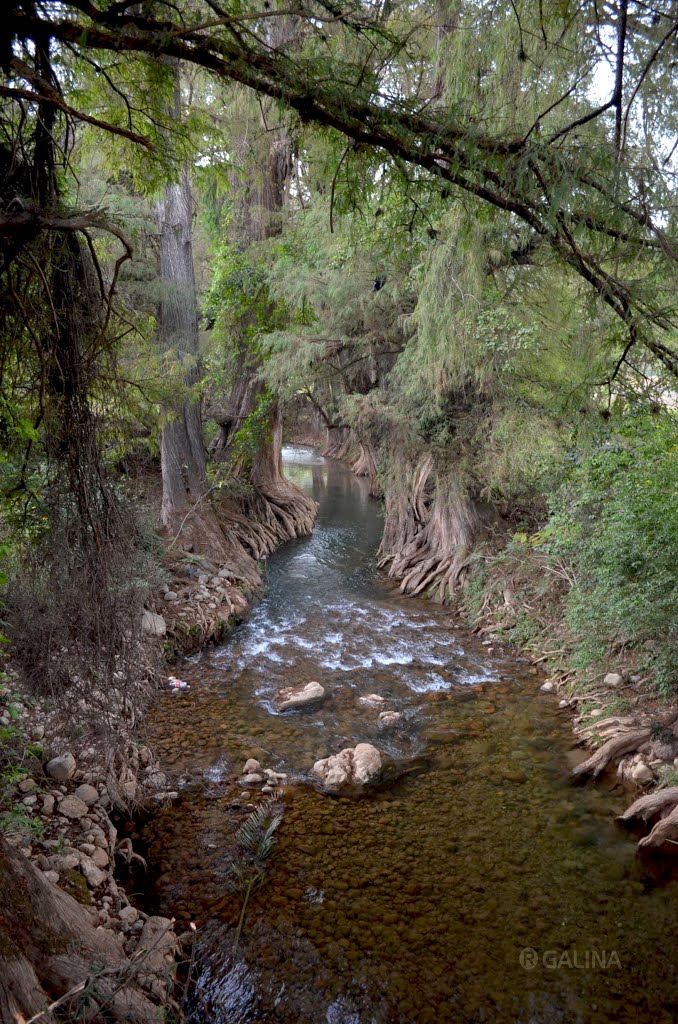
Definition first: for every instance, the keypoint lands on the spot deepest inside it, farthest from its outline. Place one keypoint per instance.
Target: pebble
(27, 786)
(548, 687)
(251, 779)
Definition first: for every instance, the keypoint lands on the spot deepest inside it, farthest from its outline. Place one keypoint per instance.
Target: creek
(415, 902)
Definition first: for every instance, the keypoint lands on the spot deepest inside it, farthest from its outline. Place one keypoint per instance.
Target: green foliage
(255, 841)
(240, 301)
(474, 591)
(18, 821)
(255, 431)
(616, 520)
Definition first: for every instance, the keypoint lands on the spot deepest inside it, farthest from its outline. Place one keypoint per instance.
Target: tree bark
(430, 530)
(49, 945)
(258, 216)
(182, 452)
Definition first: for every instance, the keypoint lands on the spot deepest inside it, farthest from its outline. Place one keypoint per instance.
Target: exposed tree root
(618, 745)
(659, 803)
(664, 833)
(238, 533)
(341, 444)
(288, 512)
(431, 528)
(612, 750)
(364, 464)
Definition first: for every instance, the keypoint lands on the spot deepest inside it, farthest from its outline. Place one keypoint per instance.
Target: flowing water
(417, 902)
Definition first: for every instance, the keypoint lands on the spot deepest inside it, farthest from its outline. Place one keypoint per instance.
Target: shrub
(616, 520)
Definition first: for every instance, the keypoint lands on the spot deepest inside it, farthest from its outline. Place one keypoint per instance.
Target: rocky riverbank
(70, 795)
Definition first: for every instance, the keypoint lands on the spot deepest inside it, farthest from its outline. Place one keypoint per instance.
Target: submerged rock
(373, 700)
(353, 766)
(300, 696)
(389, 720)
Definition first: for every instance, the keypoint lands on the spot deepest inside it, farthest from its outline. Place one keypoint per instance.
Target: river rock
(171, 595)
(99, 857)
(156, 780)
(157, 945)
(389, 720)
(153, 625)
(251, 765)
(300, 696)
(613, 679)
(642, 773)
(548, 687)
(73, 807)
(129, 916)
(61, 768)
(87, 794)
(353, 766)
(373, 700)
(252, 779)
(94, 876)
(64, 862)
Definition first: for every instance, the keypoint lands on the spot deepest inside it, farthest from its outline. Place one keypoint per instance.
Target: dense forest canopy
(446, 229)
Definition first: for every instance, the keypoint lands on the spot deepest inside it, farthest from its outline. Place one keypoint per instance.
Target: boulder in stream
(300, 696)
(353, 766)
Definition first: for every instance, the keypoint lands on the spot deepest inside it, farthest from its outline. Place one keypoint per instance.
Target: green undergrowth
(20, 758)
(596, 587)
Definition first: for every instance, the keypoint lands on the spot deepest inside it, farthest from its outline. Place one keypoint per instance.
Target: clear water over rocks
(417, 901)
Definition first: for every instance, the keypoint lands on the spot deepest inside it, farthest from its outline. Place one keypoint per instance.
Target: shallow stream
(417, 902)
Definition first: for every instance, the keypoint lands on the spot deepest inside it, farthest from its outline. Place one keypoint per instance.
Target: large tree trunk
(186, 507)
(259, 206)
(181, 447)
